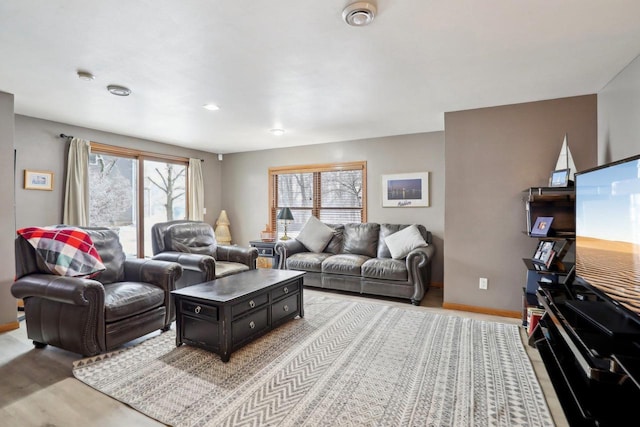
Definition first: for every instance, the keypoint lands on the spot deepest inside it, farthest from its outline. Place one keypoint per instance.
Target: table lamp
(285, 217)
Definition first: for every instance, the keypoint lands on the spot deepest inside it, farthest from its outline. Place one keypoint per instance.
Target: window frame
(140, 156)
(316, 170)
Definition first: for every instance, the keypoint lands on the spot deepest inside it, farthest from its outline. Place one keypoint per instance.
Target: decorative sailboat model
(565, 170)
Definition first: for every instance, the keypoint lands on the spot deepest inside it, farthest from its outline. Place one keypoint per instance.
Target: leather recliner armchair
(193, 245)
(127, 300)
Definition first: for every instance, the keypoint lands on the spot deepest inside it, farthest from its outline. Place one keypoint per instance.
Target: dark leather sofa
(129, 299)
(357, 259)
(193, 245)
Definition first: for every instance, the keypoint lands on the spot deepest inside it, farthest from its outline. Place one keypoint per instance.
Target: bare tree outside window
(169, 179)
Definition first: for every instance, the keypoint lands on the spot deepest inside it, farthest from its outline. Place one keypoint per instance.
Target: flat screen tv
(608, 232)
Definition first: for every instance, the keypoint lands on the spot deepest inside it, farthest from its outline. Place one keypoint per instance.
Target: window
(130, 191)
(334, 193)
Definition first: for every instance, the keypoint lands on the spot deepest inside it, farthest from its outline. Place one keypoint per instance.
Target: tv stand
(592, 354)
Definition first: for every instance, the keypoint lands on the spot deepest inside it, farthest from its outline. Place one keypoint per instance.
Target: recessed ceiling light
(211, 107)
(360, 13)
(119, 90)
(277, 132)
(85, 75)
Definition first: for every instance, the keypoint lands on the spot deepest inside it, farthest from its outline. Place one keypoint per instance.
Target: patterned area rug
(347, 363)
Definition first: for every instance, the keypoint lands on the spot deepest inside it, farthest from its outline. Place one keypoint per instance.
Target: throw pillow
(67, 251)
(315, 235)
(404, 241)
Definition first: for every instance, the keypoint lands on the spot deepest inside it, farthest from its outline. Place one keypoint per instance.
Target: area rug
(347, 363)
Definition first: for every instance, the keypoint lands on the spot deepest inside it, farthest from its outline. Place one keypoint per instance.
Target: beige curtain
(196, 190)
(76, 196)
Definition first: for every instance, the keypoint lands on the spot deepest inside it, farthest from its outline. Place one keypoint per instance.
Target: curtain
(76, 196)
(196, 190)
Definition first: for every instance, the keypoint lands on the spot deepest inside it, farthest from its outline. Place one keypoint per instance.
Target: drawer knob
(286, 308)
(252, 325)
(286, 290)
(198, 309)
(263, 251)
(252, 304)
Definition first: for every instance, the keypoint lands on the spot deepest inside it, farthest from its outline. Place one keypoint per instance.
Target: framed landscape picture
(405, 190)
(38, 180)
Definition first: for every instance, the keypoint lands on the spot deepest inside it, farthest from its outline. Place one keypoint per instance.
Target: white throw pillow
(404, 241)
(315, 235)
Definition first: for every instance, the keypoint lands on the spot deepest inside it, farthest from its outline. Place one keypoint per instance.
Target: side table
(267, 256)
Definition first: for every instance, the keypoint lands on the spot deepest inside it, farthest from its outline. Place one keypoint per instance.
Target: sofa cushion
(388, 229)
(315, 235)
(335, 244)
(126, 299)
(307, 261)
(361, 239)
(67, 251)
(348, 264)
(385, 268)
(226, 268)
(404, 241)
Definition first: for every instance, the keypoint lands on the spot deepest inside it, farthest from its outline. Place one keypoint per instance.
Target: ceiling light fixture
(86, 76)
(211, 107)
(360, 13)
(119, 90)
(277, 132)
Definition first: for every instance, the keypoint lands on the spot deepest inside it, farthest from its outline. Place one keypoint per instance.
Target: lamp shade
(285, 214)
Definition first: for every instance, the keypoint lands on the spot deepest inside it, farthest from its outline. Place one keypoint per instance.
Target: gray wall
(492, 155)
(245, 189)
(8, 312)
(619, 116)
(39, 147)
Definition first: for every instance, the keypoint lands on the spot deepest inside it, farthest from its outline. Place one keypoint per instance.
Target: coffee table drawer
(284, 308)
(199, 310)
(254, 323)
(247, 305)
(200, 332)
(284, 290)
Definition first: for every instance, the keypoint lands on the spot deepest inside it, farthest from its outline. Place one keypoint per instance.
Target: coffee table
(227, 313)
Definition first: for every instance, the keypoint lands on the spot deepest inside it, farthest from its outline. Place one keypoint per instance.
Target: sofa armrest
(419, 269)
(285, 249)
(163, 274)
(204, 263)
(242, 255)
(67, 290)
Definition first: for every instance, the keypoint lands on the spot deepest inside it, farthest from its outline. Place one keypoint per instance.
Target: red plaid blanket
(67, 251)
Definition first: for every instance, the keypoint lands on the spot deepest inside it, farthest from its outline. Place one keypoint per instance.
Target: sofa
(193, 245)
(92, 310)
(358, 258)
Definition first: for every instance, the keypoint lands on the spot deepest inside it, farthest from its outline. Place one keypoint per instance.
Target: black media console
(591, 349)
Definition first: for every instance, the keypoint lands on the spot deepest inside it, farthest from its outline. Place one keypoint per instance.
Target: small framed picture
(545, 253)
(559, 178)
(38, 180)
(542, 226)
(405, 190)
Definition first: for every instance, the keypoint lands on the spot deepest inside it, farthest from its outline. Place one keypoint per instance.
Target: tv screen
(608, 231)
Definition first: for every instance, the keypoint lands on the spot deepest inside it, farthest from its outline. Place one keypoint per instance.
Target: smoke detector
(359, 14)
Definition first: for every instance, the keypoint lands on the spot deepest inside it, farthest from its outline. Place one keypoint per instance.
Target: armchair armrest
(67, 290)
(285, 249)
(246, 256)
(163, 274)
(197, 262)
(419, 269)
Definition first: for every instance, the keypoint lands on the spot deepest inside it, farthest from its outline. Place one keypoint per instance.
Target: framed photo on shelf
(405, 190)
(559, 178)
(542, 226)
(38, 180)
(544, 253)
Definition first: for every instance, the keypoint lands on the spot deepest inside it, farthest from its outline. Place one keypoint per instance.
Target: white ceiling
(295, 64)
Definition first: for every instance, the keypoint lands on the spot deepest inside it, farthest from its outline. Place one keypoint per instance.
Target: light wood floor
(38, 389)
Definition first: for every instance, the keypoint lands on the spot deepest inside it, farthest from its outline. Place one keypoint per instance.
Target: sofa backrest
(191, 237)
(361, 239)
(387, 229)
(335, 244)
(107, 243)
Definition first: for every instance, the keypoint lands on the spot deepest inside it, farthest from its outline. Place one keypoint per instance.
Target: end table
(267, 257)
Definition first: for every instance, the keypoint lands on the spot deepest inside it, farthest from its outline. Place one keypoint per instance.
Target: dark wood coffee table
(227, 313)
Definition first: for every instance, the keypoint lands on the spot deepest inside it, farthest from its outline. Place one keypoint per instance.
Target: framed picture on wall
(405, 190)
(38, 180)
